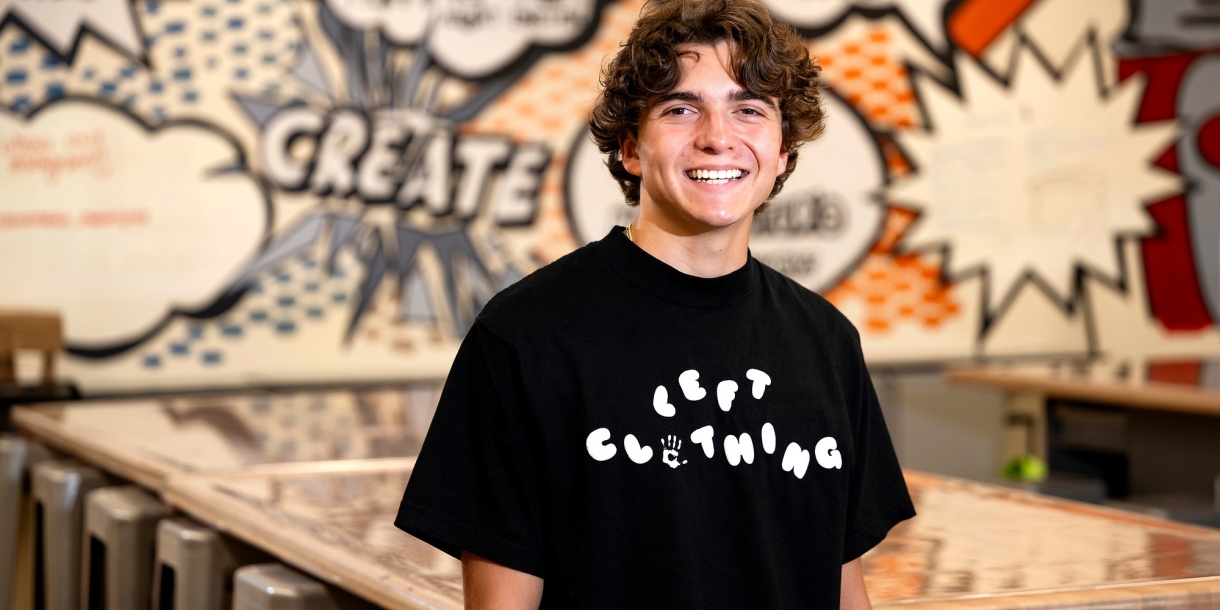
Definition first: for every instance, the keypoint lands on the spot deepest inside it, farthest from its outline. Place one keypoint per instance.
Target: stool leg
(16, 456)
(59, 487)
(48, 368)
(8, 367)
(119, 534)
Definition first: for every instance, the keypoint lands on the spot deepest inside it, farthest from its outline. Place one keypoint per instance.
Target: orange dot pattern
(897, 288)
(551, 104)
(865, 71)
(894, 289)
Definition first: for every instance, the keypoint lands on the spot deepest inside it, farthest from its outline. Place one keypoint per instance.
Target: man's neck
(694, 251)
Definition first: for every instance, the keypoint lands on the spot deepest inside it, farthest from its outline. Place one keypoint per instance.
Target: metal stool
(16, 456)
(59, 487)
(195, 564)
(120, 534)
(274, 586)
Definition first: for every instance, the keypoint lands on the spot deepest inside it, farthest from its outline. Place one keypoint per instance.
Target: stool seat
(274, 586)
(194, 565)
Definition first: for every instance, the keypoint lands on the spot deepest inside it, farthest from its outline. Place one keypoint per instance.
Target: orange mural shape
(864, 71)
(977, 23)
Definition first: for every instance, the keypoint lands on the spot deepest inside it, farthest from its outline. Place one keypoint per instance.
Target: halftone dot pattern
(863, 67)
(197, 53)
(551, 103)
(860, 62)
(897, 288)
(297, 292)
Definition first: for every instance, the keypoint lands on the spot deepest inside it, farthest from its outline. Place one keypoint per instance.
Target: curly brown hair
(769, 58)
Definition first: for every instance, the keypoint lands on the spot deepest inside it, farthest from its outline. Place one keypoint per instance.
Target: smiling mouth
(715, 176)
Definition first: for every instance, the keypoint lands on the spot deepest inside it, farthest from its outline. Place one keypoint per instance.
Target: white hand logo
(689, 382)
(726, 391)
(638, 454)
(669, 451)
(761, 381)
(596, 449)
(660, 402)
(826, 453)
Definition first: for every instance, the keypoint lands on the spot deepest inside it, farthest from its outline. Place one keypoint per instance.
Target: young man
(657, 420)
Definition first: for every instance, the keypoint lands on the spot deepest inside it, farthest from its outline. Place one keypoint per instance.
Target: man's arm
(491, 586)
(852, 594)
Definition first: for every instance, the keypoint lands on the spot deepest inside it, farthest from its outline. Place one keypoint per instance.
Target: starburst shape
(1033, 181)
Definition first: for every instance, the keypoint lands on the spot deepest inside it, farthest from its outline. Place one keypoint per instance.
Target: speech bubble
(472, 38)
(926, 17)
(1033, 181)
(59, 24)
(115, 224)
(817, 229)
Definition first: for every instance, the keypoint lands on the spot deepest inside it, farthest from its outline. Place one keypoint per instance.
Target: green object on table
(1025, 468)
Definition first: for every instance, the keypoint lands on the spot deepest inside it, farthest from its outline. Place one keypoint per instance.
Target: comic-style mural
(220, 192)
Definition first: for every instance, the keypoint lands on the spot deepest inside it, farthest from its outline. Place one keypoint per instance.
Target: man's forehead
(690, 54)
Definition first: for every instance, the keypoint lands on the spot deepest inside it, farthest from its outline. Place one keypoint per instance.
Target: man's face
(708, 152)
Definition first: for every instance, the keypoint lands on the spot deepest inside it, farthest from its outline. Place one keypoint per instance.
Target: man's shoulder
(548, 290)
(794, 299)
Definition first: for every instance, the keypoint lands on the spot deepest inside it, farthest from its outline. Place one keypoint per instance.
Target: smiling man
(658, 420)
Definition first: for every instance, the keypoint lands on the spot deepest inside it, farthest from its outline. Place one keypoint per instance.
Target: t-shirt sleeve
(877, 497)
(474, 486)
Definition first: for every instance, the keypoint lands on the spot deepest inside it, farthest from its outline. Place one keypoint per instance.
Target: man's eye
(678, 110)
(750, 111)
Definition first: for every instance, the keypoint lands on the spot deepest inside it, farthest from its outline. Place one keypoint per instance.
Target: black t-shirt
(643, 438)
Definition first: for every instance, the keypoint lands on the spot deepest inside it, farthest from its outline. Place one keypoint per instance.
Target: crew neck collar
(658, 277)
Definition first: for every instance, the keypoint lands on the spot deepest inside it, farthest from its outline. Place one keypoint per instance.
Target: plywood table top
(971, 546)
(1186, 385)
(149, 440)
(977, 546)
(336, 524)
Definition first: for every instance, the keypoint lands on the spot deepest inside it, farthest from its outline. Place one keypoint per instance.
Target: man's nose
(715, 134)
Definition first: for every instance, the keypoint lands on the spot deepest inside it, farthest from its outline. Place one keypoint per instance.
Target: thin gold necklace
(629, 238)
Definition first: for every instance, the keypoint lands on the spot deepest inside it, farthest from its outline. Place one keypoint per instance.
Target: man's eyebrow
(743, 95)
(681, 96)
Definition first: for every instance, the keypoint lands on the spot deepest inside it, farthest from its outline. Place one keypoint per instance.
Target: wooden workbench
(972, 545)
(316, 480)
(148, 440)
(1183, 385)
(1156, 392)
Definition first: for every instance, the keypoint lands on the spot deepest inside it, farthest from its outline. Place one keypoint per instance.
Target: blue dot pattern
(198, 53)
(279, 304)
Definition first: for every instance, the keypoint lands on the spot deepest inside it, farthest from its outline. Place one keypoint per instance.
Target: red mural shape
(1176, 372)
(1208, 141)
(1174, 295)
(1169, 269)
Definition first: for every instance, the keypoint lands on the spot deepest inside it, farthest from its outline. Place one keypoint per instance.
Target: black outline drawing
(220, 303)
(82, 28)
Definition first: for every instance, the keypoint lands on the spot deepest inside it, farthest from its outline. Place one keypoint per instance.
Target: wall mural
(222, 192)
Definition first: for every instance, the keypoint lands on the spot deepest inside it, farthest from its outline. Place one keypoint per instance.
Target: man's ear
(783, 160)
(629, 149)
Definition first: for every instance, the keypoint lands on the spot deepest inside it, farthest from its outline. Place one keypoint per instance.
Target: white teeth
(715, 176)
